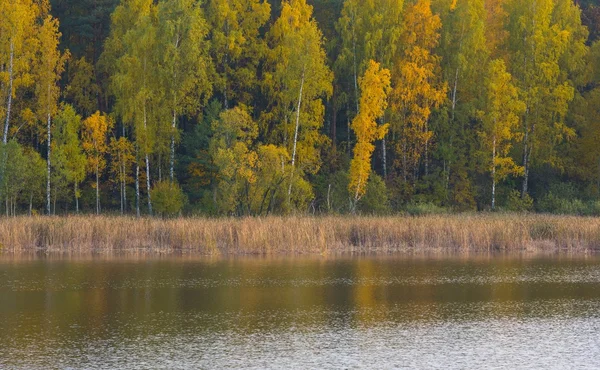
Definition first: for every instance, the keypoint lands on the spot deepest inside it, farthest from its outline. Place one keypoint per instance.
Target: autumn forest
(256, 107)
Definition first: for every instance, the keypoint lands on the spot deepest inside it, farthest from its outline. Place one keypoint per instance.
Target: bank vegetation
(301, 235)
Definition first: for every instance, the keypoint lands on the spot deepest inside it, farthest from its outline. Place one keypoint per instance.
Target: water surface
(348, 312)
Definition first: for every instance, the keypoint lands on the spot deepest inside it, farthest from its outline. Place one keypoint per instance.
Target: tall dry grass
(275, 235)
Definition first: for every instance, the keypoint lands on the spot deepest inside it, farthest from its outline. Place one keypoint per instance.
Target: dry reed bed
(276, 235)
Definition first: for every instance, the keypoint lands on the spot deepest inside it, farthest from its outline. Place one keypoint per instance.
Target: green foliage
(168, 198)
(423, 209)
(230, 147)
(375, 201)
(517, 203)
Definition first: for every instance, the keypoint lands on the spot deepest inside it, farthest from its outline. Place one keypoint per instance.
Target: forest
(256, 107)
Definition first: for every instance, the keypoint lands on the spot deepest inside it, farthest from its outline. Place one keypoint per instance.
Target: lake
(502, 312)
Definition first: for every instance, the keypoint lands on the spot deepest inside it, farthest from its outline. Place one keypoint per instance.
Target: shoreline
(301, 235)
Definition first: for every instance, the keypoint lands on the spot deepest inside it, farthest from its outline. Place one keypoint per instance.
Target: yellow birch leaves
(374, 87)
(95, 143)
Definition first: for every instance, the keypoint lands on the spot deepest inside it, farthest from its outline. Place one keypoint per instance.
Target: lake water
(322, 312)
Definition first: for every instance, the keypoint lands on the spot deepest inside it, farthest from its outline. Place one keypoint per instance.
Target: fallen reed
(300, 235)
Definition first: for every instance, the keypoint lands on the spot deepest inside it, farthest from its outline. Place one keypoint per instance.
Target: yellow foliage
(94, 135)
(417, 87)
(374, 86)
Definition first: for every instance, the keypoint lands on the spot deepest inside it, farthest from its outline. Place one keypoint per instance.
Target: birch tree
(18, 45)
(236, 47)
(232, 151)
(185, 66)
(49, 66)
(417, 88)
(368, 30)
(122, 155)
(501, 123)
(537, 44)
(68, 150)
(374, 86)
(131, 52)
(95, 144)
(297, 82)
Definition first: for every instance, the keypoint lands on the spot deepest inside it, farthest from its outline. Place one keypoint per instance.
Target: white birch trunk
(49, 123)
(121, 177)
(525, 160)
(10, 92)
(148, 184)
(296, 134)
(97, 189)
(172, 164)
(137, 189)
(384, 150)
(76, 199)
(494, 174)
(147, 166)
(124, 191)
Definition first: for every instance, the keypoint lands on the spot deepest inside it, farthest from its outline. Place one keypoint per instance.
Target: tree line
(253, 107)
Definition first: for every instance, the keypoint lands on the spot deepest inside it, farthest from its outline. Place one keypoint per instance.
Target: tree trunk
(296, 134)
(30, 204)
(329, 198)
(494, 174)
(159, 167)
(48, 167)
(334, 121)
(10, 91)
(148, 184)
(97, 189)
(525, 161)
(404, 160)
(76, 199)
(454, 89)
(426, 158)
(124, 191)
(348, 135)
(173, 127)
(137, 189)
(147, 166)
(121, 187)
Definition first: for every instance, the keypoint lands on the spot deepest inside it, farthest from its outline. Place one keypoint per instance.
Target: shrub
(516, 203)
(421, 209)
(375, 200)
(168, 198)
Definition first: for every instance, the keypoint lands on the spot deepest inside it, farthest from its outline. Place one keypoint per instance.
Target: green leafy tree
(168, 198)
(131, 53)
(82, 89)
(49, 67)
(537, 44)
(69, 161)
(18, 46)
(13, 181)
(501, 123)
(34, 180)
(297, 80)
(184, 64)
(237, 47)
(95, 144)
(231, 149)
(121, 167)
